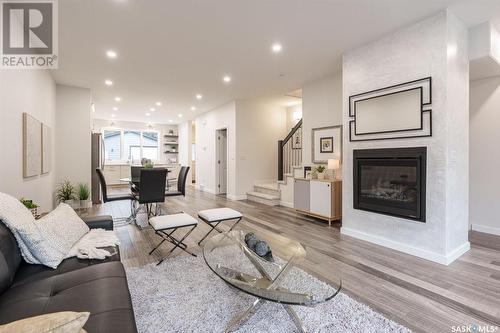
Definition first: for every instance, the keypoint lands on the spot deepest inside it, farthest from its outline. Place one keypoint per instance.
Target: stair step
(271, 189)
(264, 198)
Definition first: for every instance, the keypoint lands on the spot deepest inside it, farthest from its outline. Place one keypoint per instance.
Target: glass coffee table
(275, 279)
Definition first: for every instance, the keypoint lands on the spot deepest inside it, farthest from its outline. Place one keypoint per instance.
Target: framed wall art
(326, 143)
(32, 147)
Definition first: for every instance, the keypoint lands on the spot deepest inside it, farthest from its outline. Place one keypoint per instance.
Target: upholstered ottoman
(213, 217)
(165, 225)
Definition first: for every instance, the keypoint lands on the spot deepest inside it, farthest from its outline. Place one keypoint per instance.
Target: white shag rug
(184, 295)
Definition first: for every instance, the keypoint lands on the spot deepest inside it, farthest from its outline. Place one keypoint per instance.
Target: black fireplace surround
(391, 181)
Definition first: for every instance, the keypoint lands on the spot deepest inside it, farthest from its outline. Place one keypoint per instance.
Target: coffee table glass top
(228, 256)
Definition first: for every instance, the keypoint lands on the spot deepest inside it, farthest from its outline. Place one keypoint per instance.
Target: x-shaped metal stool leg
(214, 225)
(171, 239)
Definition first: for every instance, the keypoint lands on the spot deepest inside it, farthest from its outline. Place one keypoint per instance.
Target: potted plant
(84, 195)
(149, 165)
(30, 205)
(320, 170)
(65, 192)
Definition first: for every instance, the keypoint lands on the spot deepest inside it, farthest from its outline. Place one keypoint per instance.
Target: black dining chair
(115, 197)
(151, 189)
(135, 176)
(181, 183)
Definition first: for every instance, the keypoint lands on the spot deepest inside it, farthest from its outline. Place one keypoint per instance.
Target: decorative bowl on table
(259, 247)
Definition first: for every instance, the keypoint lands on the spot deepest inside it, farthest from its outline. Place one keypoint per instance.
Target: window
(130, 145)
(150, 145)
(112, 145)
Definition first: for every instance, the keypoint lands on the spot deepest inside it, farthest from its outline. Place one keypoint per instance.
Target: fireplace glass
(390, 182)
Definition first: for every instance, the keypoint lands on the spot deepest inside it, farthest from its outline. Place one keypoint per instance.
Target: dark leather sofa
(97, 286)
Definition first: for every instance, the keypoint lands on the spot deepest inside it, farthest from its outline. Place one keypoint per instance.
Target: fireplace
(391, 181)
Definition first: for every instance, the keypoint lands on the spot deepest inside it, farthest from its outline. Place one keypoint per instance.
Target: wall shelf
(171, 152)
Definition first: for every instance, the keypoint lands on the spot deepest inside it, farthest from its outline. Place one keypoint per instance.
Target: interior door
(221, 161)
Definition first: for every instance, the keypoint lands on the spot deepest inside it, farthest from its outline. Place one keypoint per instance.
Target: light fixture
(199, 96)
(111, 54)
(179, 115)
(115, 108)
(333, 166)
(148, 114)
(226, 78)
(152, 109)
(170, 121)
(112, 116)
(118, 99)
(158, 103)
(108, 82)
(276, 47)
(193, 108)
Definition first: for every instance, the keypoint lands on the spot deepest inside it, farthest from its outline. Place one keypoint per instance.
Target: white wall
(34, 92)
(185, 142)
(260, 123)
(290, 113)
(484, 162)
(321, 107)
(434, 47)
(72, 134)
(206, 126)
(99, 124)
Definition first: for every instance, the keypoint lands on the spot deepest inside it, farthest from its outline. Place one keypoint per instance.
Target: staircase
(289, 161)
(267, 194)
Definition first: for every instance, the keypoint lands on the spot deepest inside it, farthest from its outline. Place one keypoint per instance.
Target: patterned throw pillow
(59, 322)
(14, 215)
(63, 228)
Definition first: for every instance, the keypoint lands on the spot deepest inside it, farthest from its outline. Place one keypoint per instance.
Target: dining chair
(151, 189)
(181, 183)
(135, 176)
(115, 197)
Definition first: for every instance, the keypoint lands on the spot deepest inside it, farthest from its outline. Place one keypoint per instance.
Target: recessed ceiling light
(226, 79)
(276, 48)
(148, 114)
(111, 54)
(115, 108)
(158, 103)
(112, 116)
(179, 115)
(193, 108)
(199, 96)
(170, 121)
(152, 109)
(118, 99)
(108, 82)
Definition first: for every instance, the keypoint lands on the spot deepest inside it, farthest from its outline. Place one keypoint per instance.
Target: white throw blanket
(88, 246)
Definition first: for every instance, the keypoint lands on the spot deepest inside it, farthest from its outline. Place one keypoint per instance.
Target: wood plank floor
(419, 294)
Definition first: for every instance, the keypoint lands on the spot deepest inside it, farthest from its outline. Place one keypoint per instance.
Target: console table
(318, 198)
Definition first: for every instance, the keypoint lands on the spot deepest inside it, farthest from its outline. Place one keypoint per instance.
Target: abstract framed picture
(32, 147)
(297, 139)
(326, 144)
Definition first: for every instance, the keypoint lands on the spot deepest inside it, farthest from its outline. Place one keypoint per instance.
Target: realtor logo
(29, 34)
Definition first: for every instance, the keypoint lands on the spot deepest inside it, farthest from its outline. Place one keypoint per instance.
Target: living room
(292, 166)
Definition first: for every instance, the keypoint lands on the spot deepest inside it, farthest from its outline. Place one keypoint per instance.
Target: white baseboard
(424, 254)
(204, 189)
(236, 197)
(486, 229)
(286, 204)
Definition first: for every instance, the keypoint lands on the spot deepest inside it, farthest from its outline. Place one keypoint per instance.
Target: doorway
(221, 161)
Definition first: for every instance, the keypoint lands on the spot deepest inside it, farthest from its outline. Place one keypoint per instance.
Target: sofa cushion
(29, 273)
(14, 214)
(59, 322)
(62, 228)
(100, 289)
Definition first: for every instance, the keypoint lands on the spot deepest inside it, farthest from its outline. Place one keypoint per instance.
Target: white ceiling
(170, 50)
